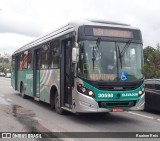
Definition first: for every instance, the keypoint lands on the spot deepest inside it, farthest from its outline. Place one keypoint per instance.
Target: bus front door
(66, 73)
(36, 74)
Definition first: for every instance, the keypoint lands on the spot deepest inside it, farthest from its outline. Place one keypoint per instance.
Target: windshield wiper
(93, 53)
(120, 57)
(98, 42)
(123, 51)
(93, 58)
(125, 47)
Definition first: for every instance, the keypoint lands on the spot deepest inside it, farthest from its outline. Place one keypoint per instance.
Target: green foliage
(152, 62)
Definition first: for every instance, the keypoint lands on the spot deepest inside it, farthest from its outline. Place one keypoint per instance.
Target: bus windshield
(108, 60)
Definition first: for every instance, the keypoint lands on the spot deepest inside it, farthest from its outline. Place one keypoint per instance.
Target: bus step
(67, 109)
(36, 98)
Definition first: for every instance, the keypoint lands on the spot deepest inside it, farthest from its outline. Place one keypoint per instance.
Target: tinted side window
(54, 54)
(20, 62)
(29, 60)
(25, 60)
(44, 57)
(13, 63)
(38, 59)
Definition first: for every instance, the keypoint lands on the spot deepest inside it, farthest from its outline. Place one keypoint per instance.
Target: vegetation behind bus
(152, 62)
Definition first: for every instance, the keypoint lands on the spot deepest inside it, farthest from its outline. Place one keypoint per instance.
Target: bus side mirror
(75, 54)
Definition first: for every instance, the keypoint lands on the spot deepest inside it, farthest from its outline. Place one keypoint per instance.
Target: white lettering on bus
(130, 94)
(29, 76)
(103, 95)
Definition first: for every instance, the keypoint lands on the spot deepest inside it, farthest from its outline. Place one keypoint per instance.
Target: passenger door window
(54, 54)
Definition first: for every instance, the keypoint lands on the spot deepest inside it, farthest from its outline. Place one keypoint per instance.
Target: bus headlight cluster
(84, 90)
(141, 92)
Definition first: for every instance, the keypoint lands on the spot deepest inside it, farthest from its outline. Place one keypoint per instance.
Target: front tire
(58, 109)
(52, 103)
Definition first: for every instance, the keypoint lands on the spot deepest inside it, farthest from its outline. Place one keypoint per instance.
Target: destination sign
(109, 32)
(112, 33)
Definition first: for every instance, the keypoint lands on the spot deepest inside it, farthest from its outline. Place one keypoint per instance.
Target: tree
(152, 62)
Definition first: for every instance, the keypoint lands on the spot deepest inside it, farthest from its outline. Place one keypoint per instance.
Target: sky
(22, 21)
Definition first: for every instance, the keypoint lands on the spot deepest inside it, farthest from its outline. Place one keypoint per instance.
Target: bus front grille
(116, 87)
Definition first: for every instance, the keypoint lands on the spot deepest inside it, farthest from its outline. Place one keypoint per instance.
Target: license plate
(117, 110)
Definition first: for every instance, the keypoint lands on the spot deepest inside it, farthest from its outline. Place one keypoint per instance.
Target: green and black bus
(86, 66)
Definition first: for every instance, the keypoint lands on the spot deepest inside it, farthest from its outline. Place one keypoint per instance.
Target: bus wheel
(52, 102)
(58, 109)
(22, 91)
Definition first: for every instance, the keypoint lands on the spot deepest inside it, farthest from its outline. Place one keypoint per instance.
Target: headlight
(90, 93)
(84, 90)
(141, 92)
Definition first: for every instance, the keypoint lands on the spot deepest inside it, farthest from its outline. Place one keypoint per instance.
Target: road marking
(141, 115)
(144, 116)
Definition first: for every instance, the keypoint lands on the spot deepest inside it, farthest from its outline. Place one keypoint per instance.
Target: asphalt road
(37, 116)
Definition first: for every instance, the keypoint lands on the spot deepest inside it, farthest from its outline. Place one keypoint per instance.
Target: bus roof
(71, 26)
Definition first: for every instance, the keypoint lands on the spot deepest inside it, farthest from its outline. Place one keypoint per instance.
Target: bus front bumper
(139, 105)
(86, 104)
